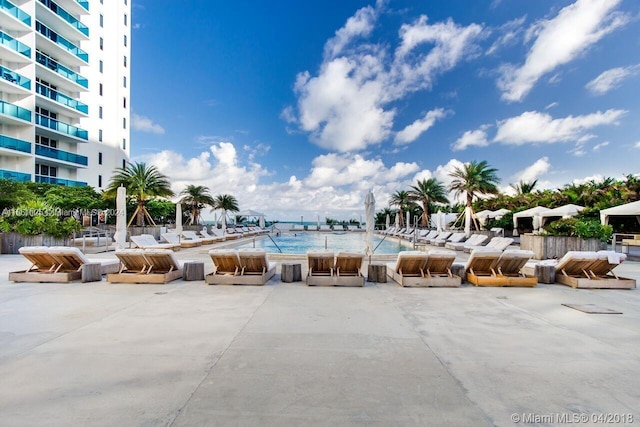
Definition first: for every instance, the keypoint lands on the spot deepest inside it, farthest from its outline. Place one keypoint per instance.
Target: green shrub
(585, 228)
(506, 222)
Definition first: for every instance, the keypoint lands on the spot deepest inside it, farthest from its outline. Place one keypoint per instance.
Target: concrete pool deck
(186, 353)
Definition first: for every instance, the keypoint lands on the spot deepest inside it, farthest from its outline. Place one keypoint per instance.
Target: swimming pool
(300, 243)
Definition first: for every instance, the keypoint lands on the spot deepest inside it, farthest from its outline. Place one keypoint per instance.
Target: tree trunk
(140, 215)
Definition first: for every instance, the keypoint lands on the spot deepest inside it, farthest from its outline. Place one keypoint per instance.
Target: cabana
(566, 211)
(629, 209)
(529, 213)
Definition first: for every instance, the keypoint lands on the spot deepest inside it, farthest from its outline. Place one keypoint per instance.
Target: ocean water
(300, 243)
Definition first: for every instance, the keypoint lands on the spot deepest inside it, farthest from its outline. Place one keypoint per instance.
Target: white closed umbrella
(178, 218)
(223, 220)
(467, 221)
(120, 235)
(408, 219)
(370, 218)
(387, 222)
(397, 221)
(318, 222)
(261, 221)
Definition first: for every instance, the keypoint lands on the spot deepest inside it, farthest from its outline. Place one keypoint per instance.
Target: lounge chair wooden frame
(408, 270)
(595, 273)
(156, 267)
(175, 239)
(242, 267)
(321, 268)
(438, 270)
(349, 269)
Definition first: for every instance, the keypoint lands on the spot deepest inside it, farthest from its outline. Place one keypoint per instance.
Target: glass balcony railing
(15, 78)
(15, 111)
(61, 98)
(61, 127)
(61, 41)
(16, 12)
(15, 144)
(62, 70)
(59, 181)
(66, 156)
(84, 4)
(15, 176)
(53, 6)
(14, 44)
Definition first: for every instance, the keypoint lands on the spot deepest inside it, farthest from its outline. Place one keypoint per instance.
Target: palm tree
(226, 202)
(523, 187)
(142, 183)
(474, 179)
(196, 197)
(402, 200)
(426, 192)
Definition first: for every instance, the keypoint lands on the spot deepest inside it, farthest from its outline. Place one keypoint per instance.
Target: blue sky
(300, 108)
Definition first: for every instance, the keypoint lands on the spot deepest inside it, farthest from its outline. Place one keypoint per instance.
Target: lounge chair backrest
(162, 260)
(39, 256)
(349, 263)
(443, 235)
(456, 237)
(440, 261)
(606, 261)
(512, 260)
(133, 260)
(432, 234)
(190, 235)
(476, 239)
(225, 261)
(253, 261)
(321, 262)
(170, 237)
(483, 261)
(411, 263)
(575, 263)
(500, 243)
(70, 258)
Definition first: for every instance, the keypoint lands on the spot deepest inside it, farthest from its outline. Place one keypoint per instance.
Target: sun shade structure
(529, 213)
(629, 209)
(566, 211)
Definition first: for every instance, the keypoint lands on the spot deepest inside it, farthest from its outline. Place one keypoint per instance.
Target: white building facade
(64, 90)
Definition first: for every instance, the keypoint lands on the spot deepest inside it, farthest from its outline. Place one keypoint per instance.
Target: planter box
(11, 242)
(548, 247)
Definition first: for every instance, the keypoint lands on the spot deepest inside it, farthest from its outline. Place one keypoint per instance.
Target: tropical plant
(403, 201)
(585, 228)
(523, 187)
(427, 192)
(196, 197)
(37, 216)
(474, 179)
(226, 202)
(142, 183)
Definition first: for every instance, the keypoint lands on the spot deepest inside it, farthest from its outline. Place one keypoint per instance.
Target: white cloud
(417, 128)
(597, 147)
(476, 138)
(611, 79)
(535, 171)
(510, 34)
(637, 144)
(536, 127)
(550, 106)
(559, 41)
(145, 124)
(347, 106)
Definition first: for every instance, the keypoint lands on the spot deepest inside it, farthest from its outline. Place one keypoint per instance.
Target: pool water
(300, 243)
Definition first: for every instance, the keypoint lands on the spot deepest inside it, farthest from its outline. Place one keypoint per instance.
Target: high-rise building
(64, 90)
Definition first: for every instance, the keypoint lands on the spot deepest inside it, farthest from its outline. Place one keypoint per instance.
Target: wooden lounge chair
(208, 236)
(147, 241)
(56, 264)
(437, 269)
(226, 265)
(175, 239)
(408, 270)
(152, 266)
(349, 269)
(428, 235)
(510, 266)
(481, 268)
(592, 270)
(325, 227)
(321, 268)
(474, 241)
(443, 235)
(191, 236)
(255, 267)
(453, 238)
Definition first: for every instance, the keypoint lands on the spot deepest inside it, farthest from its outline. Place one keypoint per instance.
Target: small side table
(545, 273)
(291, 273)
(91, 272)
(377, 273)
(193, 271)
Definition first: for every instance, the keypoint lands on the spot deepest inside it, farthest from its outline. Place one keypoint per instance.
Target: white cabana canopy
(529, 213)
(250, 213)
(629, 209)
(565, 211)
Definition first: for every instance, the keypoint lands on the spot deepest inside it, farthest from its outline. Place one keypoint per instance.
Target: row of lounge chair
(189, 239)
(450, 239)
(325, 227)
(434, 268)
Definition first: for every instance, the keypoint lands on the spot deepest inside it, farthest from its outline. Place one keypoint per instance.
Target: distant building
(64, 90)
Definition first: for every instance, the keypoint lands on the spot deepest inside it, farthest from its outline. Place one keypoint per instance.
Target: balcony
(60, 41)
(59, 181)
(13, 44)
(61, 70)
(62, 99)
(16, 12)
(53, 6)
(15, 144)
(65, 156)
(15, 78)
(61, 127)
(12, 110)
(15, 176)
